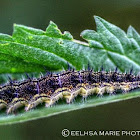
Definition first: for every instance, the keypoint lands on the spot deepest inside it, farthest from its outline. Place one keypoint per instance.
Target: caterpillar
(68, 84)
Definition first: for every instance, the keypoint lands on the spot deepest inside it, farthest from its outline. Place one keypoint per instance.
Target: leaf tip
(52, 24)
(130, 31)
(97, 18)
(83, 34)
(15, 25)
(130, 27)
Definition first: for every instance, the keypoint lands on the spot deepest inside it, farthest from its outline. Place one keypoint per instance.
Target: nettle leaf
(30, 50)
(9, 63)
(48, 48)
(59, 48)
(120, 49)
(54, 50)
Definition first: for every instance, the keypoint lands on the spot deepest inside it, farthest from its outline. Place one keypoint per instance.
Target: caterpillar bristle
(68, 67)
(102, 68)
(131, 71)
(41, 75)
(68, 84)
(28, 77)
(10, 80)
(116, 69)
(88, 67)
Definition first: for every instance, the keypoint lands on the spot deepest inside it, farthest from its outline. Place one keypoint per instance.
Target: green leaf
(48, 48)
(10, 64)
(119, 50)
(60, 48)
(53, 49)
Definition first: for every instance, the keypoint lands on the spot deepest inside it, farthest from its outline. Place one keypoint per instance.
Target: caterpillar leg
(60, 93)
(90, 89)
(70, 95)
(125, 87)
(55, 97)
(3, 104)
(49, 102)
(82, 90)
(15, 104)
(110, 89)
(36, 100)
(134, 85)
(100, 91)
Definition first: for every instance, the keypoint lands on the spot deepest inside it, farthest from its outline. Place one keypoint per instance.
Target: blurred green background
(73, 16)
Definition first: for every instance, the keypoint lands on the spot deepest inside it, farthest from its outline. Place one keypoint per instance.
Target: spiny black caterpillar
(68, 84)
